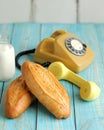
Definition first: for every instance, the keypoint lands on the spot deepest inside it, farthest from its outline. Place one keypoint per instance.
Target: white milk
(7, 61)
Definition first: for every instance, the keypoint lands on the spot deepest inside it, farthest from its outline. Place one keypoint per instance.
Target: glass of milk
(7, 59)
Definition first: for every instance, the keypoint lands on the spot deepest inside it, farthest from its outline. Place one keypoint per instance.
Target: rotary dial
(75, 46)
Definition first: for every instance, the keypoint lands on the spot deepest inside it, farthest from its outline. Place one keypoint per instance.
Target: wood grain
(85, 115)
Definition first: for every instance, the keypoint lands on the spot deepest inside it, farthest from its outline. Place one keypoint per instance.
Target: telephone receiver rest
(65, 47)
(88, 90)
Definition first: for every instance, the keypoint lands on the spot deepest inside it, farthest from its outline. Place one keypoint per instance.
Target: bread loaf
(17, 98)
(47, 89)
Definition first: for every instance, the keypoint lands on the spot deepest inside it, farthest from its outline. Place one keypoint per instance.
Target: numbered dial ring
(75, 46)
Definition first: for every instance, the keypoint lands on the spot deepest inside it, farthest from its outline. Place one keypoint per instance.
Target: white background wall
(52, 11)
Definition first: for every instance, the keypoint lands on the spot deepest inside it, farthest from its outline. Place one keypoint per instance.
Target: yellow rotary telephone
(65, 47)
(68, 54)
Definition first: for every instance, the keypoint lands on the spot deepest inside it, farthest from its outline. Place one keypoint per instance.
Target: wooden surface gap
(12, 31)
(2, 89)
(74, 107)
(77, 11)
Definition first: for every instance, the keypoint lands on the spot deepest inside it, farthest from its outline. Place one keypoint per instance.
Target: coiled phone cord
(25, 53)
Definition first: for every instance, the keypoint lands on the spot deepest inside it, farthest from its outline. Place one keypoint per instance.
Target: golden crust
(47, 89)
(17, 98)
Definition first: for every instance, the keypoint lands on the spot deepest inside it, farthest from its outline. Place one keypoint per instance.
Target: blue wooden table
(84, 115)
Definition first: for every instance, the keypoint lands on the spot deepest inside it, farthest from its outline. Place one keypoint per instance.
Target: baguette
(47, 89)
(17, 98)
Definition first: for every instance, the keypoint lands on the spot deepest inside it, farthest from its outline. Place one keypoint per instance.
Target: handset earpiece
(88, 89)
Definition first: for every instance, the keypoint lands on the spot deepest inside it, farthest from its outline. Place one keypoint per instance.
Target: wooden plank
(24, 37)
(10, 13)
(48, 29)
(89, 115)
(100, 35)
(54, 11)
(45, 120)
(5, 29)
(87, 14)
